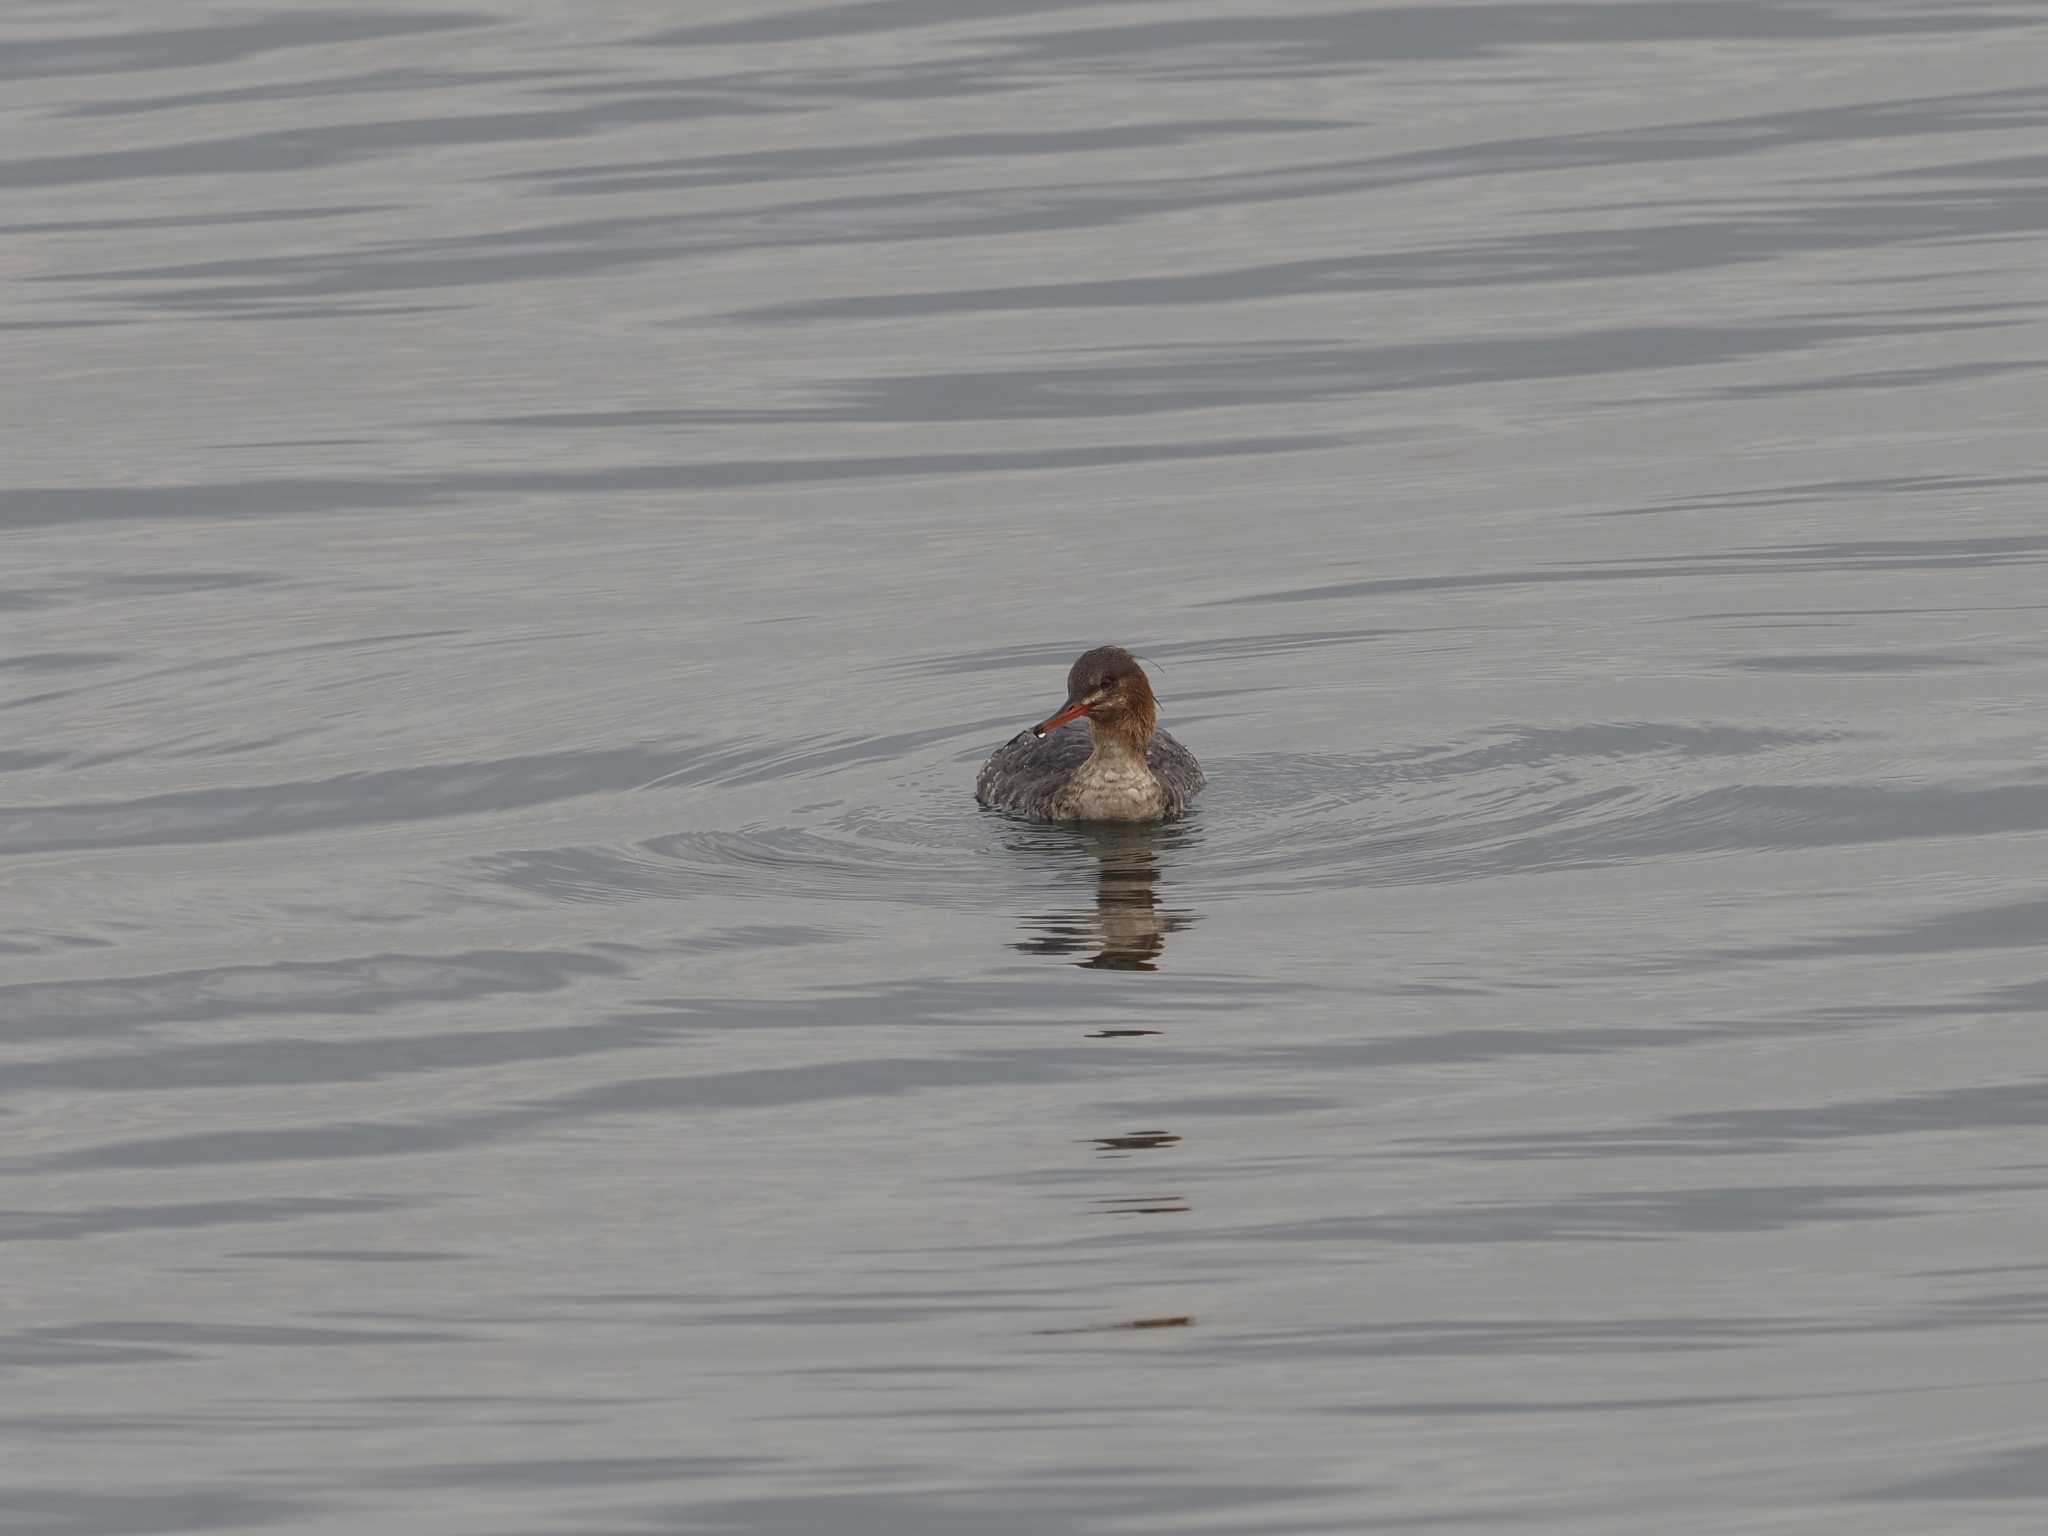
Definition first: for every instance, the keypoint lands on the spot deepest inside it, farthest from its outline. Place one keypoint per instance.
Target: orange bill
(1071, 712)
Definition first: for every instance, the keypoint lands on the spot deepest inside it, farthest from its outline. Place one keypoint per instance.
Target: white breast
(1120, 789)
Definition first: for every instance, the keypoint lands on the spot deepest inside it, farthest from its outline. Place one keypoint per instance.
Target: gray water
(522, 519)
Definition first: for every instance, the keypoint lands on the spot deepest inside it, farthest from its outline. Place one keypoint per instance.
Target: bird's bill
(1052, 723)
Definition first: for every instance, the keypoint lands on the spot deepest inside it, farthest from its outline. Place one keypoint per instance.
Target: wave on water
(1511, 800)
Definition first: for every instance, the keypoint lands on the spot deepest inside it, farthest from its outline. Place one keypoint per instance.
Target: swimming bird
(1118, 766)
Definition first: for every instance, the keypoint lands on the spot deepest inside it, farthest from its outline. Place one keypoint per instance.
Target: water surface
(522, 520)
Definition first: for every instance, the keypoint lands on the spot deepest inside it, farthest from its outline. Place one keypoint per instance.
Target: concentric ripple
(1514, 799)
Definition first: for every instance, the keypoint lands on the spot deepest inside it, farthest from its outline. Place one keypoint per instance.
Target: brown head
(1111, 689)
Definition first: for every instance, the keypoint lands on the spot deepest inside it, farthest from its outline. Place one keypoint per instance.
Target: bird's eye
(1109, 682)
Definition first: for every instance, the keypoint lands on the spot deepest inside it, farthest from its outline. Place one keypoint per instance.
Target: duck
(1101, 756)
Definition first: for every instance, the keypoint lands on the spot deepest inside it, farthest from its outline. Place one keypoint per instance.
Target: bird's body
(1064, 778)
(1100, 758)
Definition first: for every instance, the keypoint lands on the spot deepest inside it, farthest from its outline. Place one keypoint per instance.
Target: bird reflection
(1126, 929)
